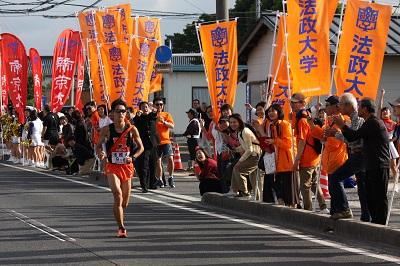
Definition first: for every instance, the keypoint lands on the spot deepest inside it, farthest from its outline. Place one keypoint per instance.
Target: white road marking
(40, 226)
(175, 195)
(291, 233)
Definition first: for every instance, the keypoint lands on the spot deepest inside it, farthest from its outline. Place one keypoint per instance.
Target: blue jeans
(353, 166)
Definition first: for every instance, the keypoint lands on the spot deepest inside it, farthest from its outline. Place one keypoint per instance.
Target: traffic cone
(177, 157)
(324, 184)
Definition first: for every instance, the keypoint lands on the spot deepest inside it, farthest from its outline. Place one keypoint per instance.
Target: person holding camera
(277, 133)
(307, 158)
(334, 154)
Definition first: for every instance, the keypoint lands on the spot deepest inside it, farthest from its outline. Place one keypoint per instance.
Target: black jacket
(375, 142)
(146, 125)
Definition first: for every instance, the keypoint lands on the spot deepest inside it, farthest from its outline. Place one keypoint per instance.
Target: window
(202, 94)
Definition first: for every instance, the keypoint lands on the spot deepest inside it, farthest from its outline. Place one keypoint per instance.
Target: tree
(30, 100)
(245, 10)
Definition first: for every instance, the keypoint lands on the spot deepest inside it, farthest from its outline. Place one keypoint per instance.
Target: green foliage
(30, 100)
(245, 10)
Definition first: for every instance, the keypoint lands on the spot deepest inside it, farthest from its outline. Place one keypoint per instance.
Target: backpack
(317, 142)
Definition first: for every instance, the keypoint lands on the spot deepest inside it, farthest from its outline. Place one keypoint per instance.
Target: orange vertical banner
(108, 25)
(86, 23)
(279, 79)
(219, 46)
(125, 28)
(140, 66)
(308, 46)
(100, 92)
(362, 48)
(115, 60)
(150, 28)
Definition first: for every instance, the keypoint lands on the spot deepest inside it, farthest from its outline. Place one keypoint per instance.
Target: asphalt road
(50, 219)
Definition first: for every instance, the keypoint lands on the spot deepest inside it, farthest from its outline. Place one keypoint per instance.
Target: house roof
(267, 22)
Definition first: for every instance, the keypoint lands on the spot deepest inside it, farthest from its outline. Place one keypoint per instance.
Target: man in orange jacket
(335, 151)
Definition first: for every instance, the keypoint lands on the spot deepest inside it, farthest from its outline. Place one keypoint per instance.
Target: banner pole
(202, 59)
(284, 2)
(318, 179)
(271, 60)
(107, 96)
(85, 50)
(337, 46)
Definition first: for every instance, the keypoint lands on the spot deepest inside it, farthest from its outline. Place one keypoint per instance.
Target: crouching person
(83, 154)
(208, 176)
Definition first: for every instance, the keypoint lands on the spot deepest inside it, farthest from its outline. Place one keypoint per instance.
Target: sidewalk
(352, 229)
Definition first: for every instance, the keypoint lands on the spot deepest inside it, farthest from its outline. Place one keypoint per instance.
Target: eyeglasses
(120, 111)
(159, 104)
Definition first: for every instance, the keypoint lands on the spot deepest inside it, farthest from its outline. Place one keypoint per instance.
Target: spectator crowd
(279, 157)
(276, 157)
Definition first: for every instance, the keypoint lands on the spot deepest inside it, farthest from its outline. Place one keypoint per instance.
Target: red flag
(3, 83)
(64, 62)
(36, 63)
(16, 64)
(81, 77)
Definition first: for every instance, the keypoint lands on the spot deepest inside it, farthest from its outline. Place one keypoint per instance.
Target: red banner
(81, 77)
(16, 65)
(64, 62)
(36, 63)
(3, 81)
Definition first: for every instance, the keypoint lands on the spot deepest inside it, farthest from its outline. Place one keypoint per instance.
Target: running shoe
(122, 233)
(171, 182)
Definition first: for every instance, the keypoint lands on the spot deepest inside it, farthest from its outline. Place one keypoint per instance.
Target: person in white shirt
(104, 119)
(250, 155)
(35, 130)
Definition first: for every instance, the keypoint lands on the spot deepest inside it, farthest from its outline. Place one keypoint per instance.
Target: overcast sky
(41, 33)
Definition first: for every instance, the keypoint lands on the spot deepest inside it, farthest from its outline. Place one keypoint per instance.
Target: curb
(348, 228)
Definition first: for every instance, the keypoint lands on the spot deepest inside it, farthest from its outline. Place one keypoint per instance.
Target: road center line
(40, 226)
(275, 229)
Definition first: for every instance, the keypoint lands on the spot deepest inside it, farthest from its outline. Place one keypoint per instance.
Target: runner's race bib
(119, 157)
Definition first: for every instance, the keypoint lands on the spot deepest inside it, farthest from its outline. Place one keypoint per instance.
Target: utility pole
(258, 9)
(222, 10)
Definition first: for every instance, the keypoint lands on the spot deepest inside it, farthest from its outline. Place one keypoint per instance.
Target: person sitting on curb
(208, 176)
(84, 155)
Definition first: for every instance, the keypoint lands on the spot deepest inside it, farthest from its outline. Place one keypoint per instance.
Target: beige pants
(87, 167)
(308, 183)
(240, 170)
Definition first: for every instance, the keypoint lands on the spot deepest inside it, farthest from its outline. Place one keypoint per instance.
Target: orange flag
(308, 46)
(115, 61)
(108, 25)
(219, 44)
(280, 88)
(100, 92)
(86, 23)
(150, 28)
(140, 65)
(361, 48)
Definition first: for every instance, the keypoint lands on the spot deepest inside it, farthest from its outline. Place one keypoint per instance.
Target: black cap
(192, 111)
(332, 100)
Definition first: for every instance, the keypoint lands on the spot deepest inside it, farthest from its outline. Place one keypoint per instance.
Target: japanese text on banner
(361, 49)
(140, 66)
(308, 45)
(219, 45)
